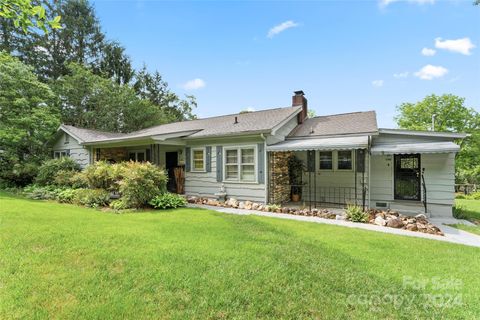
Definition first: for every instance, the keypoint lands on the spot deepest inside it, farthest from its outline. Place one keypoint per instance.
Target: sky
(346, 56)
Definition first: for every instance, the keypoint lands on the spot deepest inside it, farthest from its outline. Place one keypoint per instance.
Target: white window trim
(60, 152)
(67, 139)
(353, 161)
(192, 163)
(239, 164)
(333, 161)
(144, 151)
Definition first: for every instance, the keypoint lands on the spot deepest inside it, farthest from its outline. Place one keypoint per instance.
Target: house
(346, 158)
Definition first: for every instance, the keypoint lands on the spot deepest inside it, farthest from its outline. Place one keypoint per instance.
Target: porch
(169, 157)
(319, 173)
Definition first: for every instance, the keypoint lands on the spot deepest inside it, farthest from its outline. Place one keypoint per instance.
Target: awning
(427, 147)
(335, 143)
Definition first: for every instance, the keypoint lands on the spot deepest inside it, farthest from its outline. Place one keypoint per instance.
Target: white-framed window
(198, 160)
(137, 155)
(60, 154)
(240, 164)
(67, 139)
(345, 160)
(326, 160)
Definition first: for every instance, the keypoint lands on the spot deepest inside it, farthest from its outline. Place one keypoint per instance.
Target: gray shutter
(261, 163)
(311, 161)
(208, 159)
(187, 159)
(219, 163)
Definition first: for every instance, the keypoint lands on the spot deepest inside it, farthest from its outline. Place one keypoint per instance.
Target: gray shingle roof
(338, 124)
(250, 122)
(88, 135)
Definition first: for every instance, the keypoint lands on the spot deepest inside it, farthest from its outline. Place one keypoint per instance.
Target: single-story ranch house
(346, 158)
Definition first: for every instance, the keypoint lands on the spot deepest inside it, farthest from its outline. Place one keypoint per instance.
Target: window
(198, 159)
(60, 154)
(344, 160)
(67, 139)
(240, 164)
(136, 155)
(326, 160)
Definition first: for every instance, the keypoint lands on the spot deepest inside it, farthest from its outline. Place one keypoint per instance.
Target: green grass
(468, 209)
(62, 261)
(472, 229)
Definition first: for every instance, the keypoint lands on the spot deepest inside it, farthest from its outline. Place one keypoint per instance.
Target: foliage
(168, 201)
(66, 195)
(356, 214)
(25, 15)
(57, 172)
(205, 263)
(153, 88)
(115, 64)
(27, 120)
(472, 196)
(102, 175)
(118, 204)
(91, 197)
(90, 101)
(37, 192)
(273, 207)
(450, 115)
(140, 183)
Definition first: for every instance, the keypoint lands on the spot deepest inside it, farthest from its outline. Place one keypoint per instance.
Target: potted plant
(295, 172)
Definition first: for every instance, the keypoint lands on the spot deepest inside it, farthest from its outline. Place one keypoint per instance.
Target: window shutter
(219, 163)
(261, 163)
(187, 159)
(360, 160)
(311, 161)
(208, 159)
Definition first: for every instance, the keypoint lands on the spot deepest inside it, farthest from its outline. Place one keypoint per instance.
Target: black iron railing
(424, 189)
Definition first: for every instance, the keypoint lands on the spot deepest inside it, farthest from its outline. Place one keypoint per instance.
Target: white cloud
(428, 52)
(384, 3)
(281, 27)
(463, 45)
(430, 72)
(401, 75)
(194, 84)
(377, 83)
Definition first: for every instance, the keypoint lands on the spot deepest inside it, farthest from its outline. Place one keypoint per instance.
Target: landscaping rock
(395, 223)
(380, 221)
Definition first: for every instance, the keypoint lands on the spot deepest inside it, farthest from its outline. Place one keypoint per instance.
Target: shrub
(37, 192)
(102, 175)
(168, 201)
(140, 183)
(66, 195)
(79, 181)
(16, 174)
(118, 204)
(91, 197)
(356, 214)
(48, 171)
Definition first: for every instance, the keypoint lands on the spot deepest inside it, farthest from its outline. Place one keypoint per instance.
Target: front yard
(64, 261)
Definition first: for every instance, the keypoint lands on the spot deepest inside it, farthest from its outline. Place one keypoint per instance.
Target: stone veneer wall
(279, 179)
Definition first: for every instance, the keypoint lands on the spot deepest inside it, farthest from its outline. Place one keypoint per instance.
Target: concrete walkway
(452, 235)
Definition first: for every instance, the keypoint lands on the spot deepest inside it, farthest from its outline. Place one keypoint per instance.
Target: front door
(407, 177)
(171, 161)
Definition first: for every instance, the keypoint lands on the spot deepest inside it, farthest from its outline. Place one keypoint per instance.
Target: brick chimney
(298, 99)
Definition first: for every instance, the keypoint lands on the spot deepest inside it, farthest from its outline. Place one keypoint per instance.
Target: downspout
(267, 175)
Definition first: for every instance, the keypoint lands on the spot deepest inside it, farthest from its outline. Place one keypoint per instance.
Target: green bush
(140, 183)
(37, 192)
(48, 171)
(16, 174)
(91, 197)
(118, 204)
(66, 195)
(471, 196)
(356, 214)
(103, 175)
(79, 181)
(168, 201)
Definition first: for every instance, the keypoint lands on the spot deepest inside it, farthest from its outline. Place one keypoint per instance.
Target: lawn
(471, 229)
(468, 209)
(62, 261)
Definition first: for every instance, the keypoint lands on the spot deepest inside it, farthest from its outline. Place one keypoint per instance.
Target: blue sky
(346, 55)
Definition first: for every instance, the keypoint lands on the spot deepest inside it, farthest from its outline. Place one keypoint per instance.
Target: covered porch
(319, 172)
(170, 157)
